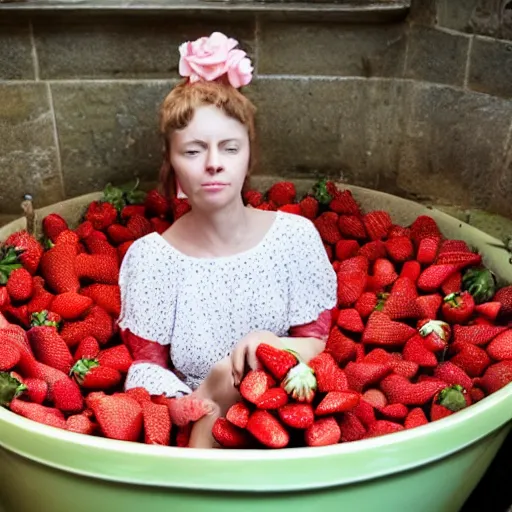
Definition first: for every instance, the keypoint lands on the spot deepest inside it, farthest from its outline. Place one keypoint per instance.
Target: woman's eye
(232, 150)
(191, 152)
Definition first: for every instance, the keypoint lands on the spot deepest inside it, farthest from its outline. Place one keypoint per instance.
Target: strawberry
(346, 249)
(58, 268)
(133, 209)
(350, 287)
(454, 246)
(383, 275)
(497, 376)
(424, 226)
(351, 428)
(453, 284)
(472, 359)
(394, 412)
(50, 349)
(327, 226)
(119, 234)
(366, 304)
(53, 225)
(365, 413)
(323, 432)
(157, 424)
(394, 360)
(500, 348)
(452, 374)
(142, 396)
(273, 398)
(329, 251)
(397, 230)
(309, 207)
(429, 305)
(342, 201)
(351, 226)
(435, 334)
(415, 418)
(476, 394)
(339, 346)
(361, 375)
(433, 277)
(9, 262)
(350, 320)
(139, 226)
(449, 400)
(71, 305)
(67, 396)
(183, 435)
(277, 361)
(377, 224)
(117, 357)
(10, 388)
(187, 409)
(97, 243)
(90, 375)
(336, 402)
(480, 283)
(381, 330)
(101, 214)
(399, 390)
(427, 249)
(399, 248)
(376, 398)
(180, 206)
(300, 383)
(401, 302)
(459, 259)
(254, 384)
(84, 229)
(329, 376)
(108, 296)
(290, 208)
(9, 356)
(415, 351)
(80, 424)
(457, 308)
(88, 348)
(355, 265)
(324, 190)
(159, 225)
(504, 297)
(122, 250)
(29, 249)
(99, 268)
(382, 428)
(411, 269)
(97, 323)
(156, 204)
(282, 193)
(253, 198)
(41, 414)
(267, 430)
(238, 414)
(300, 416)
(373, 250)
(489, 310)
(119, 416)
(230, 436)
(19, 285)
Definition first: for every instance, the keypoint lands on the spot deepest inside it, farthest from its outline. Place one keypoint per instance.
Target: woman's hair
(178, 109)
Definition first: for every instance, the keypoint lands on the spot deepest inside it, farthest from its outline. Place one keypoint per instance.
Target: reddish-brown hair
(178, 109)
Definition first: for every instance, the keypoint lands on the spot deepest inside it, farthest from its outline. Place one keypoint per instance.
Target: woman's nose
(214, 169)
(213, 164)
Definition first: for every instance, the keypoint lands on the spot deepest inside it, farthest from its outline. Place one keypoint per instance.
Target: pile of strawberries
(420, 330)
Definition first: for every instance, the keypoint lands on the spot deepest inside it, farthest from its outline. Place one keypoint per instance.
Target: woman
(224, 277)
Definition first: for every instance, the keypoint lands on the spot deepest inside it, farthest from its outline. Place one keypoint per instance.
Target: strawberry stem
(452, 398)
(300, 383)
(10, 388)
(452, 299)
(9, 261)
(480, 283)
(82, 367)
(41, 319)
(321, 193)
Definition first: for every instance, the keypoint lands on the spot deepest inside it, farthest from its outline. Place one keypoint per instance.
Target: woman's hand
(244, 353)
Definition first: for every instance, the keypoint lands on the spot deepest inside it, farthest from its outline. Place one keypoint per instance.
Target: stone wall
(420, 107)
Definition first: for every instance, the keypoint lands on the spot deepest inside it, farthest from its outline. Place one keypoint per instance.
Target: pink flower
(211, 57)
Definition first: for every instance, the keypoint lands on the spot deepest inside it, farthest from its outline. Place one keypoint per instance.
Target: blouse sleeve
(313, 281)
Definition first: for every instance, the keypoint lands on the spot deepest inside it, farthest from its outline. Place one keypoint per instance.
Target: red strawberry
(357, 264)
(342, 201)
(373, 250)
(365, 413)
(290, 208)
(253, 198)
(399, 248)
(427, 249)
(323, 432)
(350, 320)
(351, 226)
(58, 268)
(282, 193)
(476, 395)
(41, 414)
(453, 284)
(9, 356)
(180, 206)
(380, 330)
(459, 259)
(399, 390)
(108, 296)
(50, 348)
(99, 268)
(119, 234)
(457, 308)
(449, 400)
(31, 250)
(139, 226)
(267, 206)
(254, 384)
(53, 225)
(397, 230)
(80, 424)
(277, 361)
(90, 375)
(117, 357)
(415, 418)
(299, 416)
(70, 305)
(84, 229)
(340, 346)
(472, 359)
(496, 376)
(346, 249)
(230, 436)
(119, 416)
(452, 374)
(377, 224)
(382, 428)
(157, 424)
(183, 435)
(435, 334)
(97, 243)
(383, 275)
(394, 412)
(489, 310)
(97, 323)
(273, 398)
(87, 349)
(401, 302)
(133, 209)
(327, 226)
(101, 214)
(309, 207)
(19, 285)
(366, 304)
(267, 430)
(350, 287)
(336, 402)
(66, 237)
(433, 277)
(328, 375)
(361, 375)
(454, 246)
(424, 226)
(411, 269)
(504, 297)
(156, 204)
(394, 360)
(351, 428)
(238, 414)
(122, 249)
(67, 396)
(376, 398)
(159, 225)
(500, 347)
(415, 351)
(328, 250)
(142, 396)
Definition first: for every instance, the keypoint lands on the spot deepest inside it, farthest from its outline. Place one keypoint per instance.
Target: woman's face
(210, 158)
